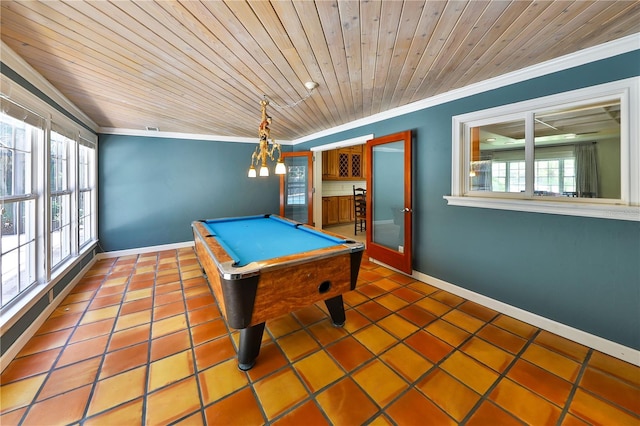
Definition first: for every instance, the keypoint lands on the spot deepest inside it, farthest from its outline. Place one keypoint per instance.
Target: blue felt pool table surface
(258, 238)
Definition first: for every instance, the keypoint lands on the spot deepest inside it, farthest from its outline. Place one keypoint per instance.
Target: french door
(389, 204)
(296, 187)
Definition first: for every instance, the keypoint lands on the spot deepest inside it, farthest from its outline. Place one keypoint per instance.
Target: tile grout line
(456, 348)
(311, 396)
(196, 370)
(413, 384)
(436, 365)
(230, 333)
(106, 348)
(575, 386)
(34, 401)
(54, 366)
(501, 376)
(382, 409)
(147, 375)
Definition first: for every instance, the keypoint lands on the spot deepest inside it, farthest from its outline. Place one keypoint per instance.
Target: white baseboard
(142, 250)
(24, 338)
(598, 343)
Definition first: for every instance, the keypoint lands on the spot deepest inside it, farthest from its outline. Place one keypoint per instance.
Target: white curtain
(586, 170)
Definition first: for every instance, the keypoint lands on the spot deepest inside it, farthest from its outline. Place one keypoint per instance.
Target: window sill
(601, 211)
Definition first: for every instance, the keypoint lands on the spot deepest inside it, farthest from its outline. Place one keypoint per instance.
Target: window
(60, 199)
(296, 185)
(17, 210)
(575, 153)
(47, 196)
(86, 192)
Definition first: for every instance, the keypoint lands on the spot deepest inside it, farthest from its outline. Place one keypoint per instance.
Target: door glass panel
(296, 183)
(388, 195)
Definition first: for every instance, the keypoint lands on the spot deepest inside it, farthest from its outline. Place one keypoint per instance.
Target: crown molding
(26, 71)
(581, 57)
(173, 135)
(178, 135)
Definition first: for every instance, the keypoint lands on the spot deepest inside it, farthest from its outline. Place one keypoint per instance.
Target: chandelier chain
(275, 104)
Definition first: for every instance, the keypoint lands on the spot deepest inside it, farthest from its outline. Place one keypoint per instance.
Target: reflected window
(575, 153)
(297, 184)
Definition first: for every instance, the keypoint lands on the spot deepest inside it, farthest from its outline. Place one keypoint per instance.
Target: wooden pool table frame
(250, 295)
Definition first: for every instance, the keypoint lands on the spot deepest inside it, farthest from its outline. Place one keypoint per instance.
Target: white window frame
(625, 208)
(89, 190)
(48, 275)
(36, 138)
(68, 244)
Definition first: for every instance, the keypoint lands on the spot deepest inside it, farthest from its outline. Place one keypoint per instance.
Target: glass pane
(26, 221)
(15, 156)
(83, 167)
(388, 195)
(10, 216)
(18, 248)
(577, 151)
(6, 177)
(59, 167)
(84, 217)
(296, 184)
(60, 228)
(497, 157)
(10, 275)
(27, 265)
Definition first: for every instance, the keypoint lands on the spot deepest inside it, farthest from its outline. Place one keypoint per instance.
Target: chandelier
(264, 150)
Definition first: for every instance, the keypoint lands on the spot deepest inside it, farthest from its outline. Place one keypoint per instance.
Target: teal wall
(151, 189)
(581, 272)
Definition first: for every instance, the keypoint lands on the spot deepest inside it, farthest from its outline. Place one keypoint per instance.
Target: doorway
(296, 187)
(335, 188)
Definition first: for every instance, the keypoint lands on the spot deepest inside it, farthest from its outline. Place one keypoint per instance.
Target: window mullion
(529, 155)
(74, 186)
(45, 224)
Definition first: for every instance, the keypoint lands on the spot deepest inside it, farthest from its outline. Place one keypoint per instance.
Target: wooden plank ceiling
(203, 66)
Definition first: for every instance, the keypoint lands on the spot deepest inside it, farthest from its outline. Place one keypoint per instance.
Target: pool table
(262, 267)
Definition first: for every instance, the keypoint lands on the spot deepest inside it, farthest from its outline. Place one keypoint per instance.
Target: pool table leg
(249, 347)
(336, 310)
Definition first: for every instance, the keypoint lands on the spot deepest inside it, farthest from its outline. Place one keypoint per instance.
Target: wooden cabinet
(330, 164)
(337, 209)
(330, 211)
(343, 164)
(345, 209)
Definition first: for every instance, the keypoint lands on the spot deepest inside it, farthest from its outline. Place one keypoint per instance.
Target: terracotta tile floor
(140, 340)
